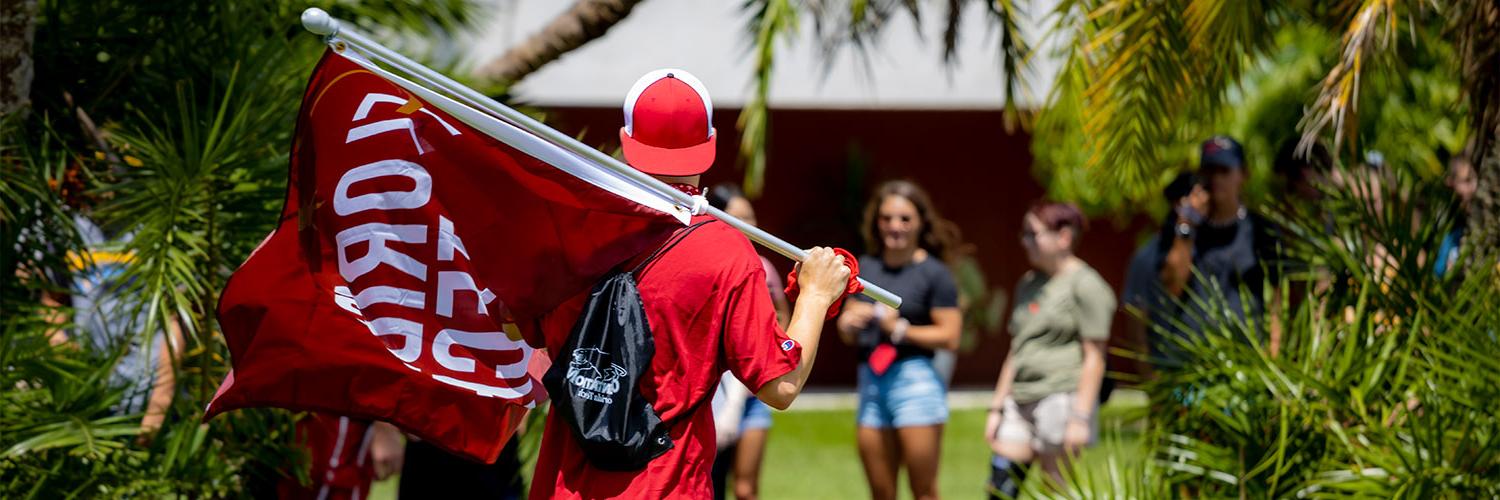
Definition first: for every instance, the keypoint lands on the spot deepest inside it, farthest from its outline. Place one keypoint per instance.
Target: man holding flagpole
(707, 308)
(429, 240)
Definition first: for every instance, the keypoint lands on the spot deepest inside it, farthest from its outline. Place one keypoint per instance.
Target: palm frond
(1370, 30)
(1385, 383)
(771, 21)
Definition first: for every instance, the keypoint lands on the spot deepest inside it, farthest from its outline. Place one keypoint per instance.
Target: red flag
(414, 229)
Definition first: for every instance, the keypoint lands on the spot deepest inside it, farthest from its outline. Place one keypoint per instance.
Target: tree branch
(582, 23)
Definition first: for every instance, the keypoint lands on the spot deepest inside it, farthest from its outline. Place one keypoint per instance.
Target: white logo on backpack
(587, 381)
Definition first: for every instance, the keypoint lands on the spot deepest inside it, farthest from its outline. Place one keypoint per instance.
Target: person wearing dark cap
(706, 302)
(1233, 249)
(1143, 295)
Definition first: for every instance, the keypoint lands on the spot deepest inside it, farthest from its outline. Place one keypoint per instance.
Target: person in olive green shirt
(1048, 389)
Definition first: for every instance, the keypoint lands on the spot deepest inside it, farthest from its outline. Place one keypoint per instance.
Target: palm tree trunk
(1478, 26)
(585, 21)
(17, 30)
(1483, 233)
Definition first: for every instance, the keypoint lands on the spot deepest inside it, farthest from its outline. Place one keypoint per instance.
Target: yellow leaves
(1337, 103)
(133, 161)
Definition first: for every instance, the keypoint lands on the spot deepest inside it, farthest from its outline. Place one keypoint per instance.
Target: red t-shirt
(709, 310)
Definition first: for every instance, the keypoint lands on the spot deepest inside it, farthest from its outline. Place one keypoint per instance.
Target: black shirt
(1232, 264)
(922, 286)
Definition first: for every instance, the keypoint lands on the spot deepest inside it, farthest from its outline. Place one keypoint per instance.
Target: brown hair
(1057, 215)
(938, 236)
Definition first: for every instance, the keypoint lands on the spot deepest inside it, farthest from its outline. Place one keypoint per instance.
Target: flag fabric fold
(416, 232)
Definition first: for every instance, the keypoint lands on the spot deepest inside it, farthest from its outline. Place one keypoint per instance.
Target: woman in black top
(902, 399)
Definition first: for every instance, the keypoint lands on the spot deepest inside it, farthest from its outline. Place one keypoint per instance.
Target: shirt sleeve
(944, 289)
(1140, 276)
(755, 350)
(1096, 307)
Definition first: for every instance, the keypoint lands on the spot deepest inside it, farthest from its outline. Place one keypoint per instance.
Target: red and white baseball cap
(668, 124)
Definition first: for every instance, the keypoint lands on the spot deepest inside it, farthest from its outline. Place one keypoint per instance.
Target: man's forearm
(162, 388)
(165, 384)
(806, 328)
(1175, 268)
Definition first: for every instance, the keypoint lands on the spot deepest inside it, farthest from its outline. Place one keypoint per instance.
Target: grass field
(811, 453)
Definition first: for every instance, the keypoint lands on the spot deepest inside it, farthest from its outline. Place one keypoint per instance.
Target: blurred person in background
(1143, 295)
(1046, 398)
(1303, 178)
(1464, 182)
(95, 309)
(1230, 247)
(742, 421)
(902, 397)
(1303, 174)
(1366, 184)
(345, 456)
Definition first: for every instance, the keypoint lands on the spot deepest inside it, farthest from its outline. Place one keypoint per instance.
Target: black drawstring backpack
(594, 383)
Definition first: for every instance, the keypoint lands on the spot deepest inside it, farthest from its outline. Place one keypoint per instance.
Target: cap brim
(679, 162)
(1214, 166)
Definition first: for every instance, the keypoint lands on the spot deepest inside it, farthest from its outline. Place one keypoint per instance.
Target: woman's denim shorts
(909, 394)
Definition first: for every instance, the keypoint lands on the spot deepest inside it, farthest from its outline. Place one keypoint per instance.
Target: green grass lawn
(811, 454)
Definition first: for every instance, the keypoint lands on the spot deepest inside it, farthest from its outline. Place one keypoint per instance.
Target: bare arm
(1092, 376)
(822, 277)
(165, 383)
(57, 318)
(943, 333)
(1176, 268)
(1003, 383)
(1275, 319)
(997, 402)
(387, 449)
(53, 305)
(855, 317)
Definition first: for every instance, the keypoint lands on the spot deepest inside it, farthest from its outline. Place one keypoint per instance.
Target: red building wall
(824, 163)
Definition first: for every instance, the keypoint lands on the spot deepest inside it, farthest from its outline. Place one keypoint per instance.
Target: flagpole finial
(319, 22)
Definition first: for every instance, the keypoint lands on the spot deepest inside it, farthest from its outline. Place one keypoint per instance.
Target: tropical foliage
(1142, 82)
(169, 121)
(1385, 385)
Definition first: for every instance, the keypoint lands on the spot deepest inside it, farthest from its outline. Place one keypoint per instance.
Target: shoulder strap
(676, 238)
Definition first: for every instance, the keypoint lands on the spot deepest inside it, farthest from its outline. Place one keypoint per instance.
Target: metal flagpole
(334, 32)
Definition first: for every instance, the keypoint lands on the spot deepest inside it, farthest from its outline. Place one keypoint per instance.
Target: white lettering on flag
(343, 204)
(450, 348)
(377, 234)
(372, 99)
(518, 392)
(450, 282)
(489, 341)
(410, 332)
(447, 241)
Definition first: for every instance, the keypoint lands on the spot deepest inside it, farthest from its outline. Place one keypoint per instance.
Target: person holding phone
(1219, 251)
